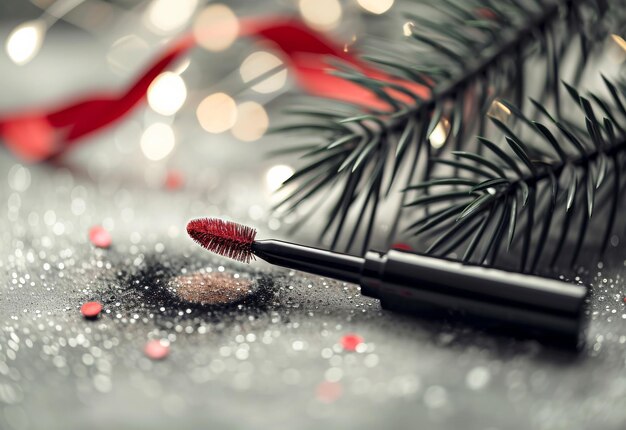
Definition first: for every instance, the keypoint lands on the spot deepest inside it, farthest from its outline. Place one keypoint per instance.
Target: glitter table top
(279, 360)
(300, 352)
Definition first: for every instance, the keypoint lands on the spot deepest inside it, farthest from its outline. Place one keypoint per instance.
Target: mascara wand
(418, 284)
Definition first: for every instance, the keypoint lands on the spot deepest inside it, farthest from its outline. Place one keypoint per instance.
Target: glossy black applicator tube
(421, 285)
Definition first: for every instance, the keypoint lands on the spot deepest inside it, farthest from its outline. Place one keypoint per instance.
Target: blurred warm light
(167, 93)
(216, 27)
(252, 122)
(376, 6)
(157, 141)
(407, 28)
(167, 16)
(499, 110)
(346, 46)
(25, 40)
(217, 113)
(619, 41)
(276, 175)
(321, 14)
(440, 134)
(258, 64)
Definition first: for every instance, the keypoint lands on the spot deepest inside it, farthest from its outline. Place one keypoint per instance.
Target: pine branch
(475, 51)
(505, 186)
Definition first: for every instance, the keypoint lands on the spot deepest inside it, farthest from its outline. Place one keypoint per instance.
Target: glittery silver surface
(272, 362)
(275, 361)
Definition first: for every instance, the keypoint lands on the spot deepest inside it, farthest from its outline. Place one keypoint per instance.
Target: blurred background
(202, 129)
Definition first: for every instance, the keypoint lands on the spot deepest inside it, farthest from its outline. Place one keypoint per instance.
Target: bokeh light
(321, 14)
(376, 6)
(439, 135)
(216, 27)
(252, 122)
(25, 41)
(260, 63)
(407, 28)
(167, 93)
(619, 41)
(157, 141)
(276, 175)
(498, 110)
(217, 113)
(19, 178)
(168, 16)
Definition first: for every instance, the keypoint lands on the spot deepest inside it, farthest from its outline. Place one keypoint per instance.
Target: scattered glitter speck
(351, 341)
(91, 309)
(156, 350)
(99, 237)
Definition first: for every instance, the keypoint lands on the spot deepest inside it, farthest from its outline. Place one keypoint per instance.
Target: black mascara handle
(312, 260)
(421, 285)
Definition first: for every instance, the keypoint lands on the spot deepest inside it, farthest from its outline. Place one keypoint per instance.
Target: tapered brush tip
(225, 238)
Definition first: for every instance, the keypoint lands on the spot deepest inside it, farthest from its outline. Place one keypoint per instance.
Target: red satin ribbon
(39, 134)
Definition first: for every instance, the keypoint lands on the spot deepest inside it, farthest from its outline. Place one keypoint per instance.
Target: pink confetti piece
(328, 392)
(174, 180)
(351, 341)
(99, 237)
(91, 309)
(156, 350)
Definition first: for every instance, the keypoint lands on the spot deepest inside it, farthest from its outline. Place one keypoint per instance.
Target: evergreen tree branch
(475, 51)
(579, 167)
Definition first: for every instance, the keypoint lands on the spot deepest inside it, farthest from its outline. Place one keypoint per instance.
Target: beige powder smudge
(210, 288)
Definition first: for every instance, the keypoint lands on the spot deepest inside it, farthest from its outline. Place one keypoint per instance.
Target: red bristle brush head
(225, 238)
